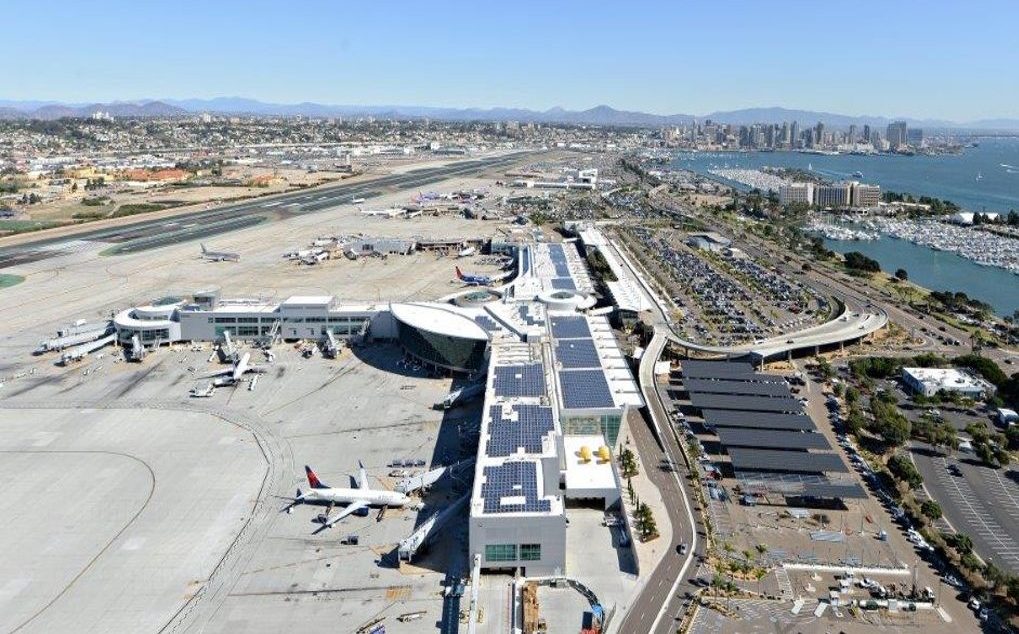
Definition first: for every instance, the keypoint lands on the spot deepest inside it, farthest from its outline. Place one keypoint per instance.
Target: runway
(153, 233)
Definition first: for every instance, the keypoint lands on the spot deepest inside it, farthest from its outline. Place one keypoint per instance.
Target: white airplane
(233, 375)
(392, 212)
(220, 256)
(358, 499)
(466, 252)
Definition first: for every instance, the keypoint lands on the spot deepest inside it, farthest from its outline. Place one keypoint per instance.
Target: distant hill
(599, 115)
(43, 110)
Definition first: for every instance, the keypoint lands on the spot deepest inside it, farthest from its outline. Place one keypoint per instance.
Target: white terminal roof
(626, 290)
(439, 319)
(594, 474)
(308, 300)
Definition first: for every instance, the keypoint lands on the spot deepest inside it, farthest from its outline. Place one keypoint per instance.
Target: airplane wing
(257, 369)
(223, 372)
(351, 508)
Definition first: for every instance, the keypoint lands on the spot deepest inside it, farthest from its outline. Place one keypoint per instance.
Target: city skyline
(687, 60)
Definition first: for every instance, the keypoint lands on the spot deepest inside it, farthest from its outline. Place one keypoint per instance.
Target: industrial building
(930, 381)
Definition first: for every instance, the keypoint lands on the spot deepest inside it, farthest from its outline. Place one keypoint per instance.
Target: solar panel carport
(757, 420)
(725, 370)
(842, 491)
(771, 439)
(745, 459)
(715, 386)
(750, 403)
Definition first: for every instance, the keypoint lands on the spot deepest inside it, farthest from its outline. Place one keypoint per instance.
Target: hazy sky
(953, 60)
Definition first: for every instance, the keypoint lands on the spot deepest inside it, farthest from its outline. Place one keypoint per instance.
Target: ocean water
(951, 177)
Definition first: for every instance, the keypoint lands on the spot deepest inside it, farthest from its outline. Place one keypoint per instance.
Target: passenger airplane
(355, 500)
(479, 280)
(466, 252)
(232, 376)
(220, 256)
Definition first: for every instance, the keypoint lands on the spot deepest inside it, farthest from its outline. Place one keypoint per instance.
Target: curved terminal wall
(453, 353)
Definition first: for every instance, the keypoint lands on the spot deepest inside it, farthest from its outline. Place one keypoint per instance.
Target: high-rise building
(819, 134)
(914, 136)
(866, 133)
(865, 195)
(896, 134)
(852, 133)
(836, 196)
(796, 193)
(794, 134)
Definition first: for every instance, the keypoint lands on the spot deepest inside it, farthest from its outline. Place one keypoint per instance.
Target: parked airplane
(220, 256)
(480, 280)
(466, 252)
(233, 375)
(392, 212)
(355, 500)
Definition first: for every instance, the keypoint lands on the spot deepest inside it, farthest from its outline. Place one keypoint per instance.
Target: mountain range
(599, 115)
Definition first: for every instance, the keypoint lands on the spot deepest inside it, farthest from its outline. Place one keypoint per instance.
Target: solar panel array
(577, 353)
(751, 403)
(487, 323)
(732, 371)
(771, 439)
(746, 388)
(748, 459)
(563, 284)
(513, 479)
(846, 491)
(525, 315)
(507, 436)
(757, 420)
(585, 389)
(557, 254)
(571, 327)
(519, 380)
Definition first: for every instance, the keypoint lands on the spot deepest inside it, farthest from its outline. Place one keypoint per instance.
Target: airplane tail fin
(362, 476)
(313, 480)
(459, 275)
(204, 250)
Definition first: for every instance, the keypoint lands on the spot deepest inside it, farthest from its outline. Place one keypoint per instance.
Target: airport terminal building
(557, 385)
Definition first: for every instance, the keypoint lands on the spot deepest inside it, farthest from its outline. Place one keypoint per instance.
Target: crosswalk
(785, 585)
(754, 615)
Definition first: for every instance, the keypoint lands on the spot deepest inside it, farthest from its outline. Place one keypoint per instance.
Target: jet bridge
(416, 483)
(330, 347)
(79, 353)
(75, 337)
(411, 545)
(227, 349)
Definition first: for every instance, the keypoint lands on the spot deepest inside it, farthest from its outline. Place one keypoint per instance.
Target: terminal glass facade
(501, 552)
(453, 353)
(607, 425)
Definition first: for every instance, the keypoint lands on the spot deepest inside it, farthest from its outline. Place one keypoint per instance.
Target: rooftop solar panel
(577, 353)
(512, 487)
(757, 420)
(746, 388)
(570, 327)
(519, 380)
(744, 458)
(563, 284)
(771, 439)
(487, 323)
(508, 436)
(585, 389)
(750, 403)
(729, 370)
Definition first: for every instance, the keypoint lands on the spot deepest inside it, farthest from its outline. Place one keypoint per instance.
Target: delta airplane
(355, 500)
(480, 280)
(219, 256)
(233, 375)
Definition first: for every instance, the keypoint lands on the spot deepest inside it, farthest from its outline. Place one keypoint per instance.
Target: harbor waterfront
(982, 178)
(939, 270)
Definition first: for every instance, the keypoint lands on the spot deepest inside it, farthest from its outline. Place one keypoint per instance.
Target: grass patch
(7, 280)
(11, 227)
(132, 209)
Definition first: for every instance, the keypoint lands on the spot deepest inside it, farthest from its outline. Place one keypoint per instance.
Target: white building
(796, 193)
(930, 381)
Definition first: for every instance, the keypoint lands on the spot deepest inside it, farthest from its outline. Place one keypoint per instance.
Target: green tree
(901, 274)
(931, 510)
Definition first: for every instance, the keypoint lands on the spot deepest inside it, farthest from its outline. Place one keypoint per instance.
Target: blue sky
(919, 59)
